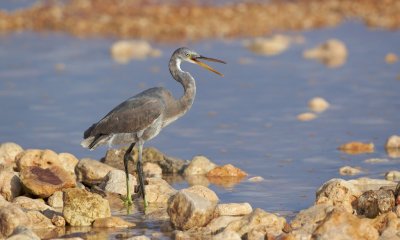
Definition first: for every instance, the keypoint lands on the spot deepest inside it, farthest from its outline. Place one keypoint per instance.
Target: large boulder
(374, 202)
(91, 172)
(37, 158)
(8, 152)
(81, 207)
(68, 162)
(158, 191)
(10, 184)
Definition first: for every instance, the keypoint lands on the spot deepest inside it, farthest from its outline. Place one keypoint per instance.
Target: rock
(112, 222)
(357, 148)
(318, 104)
(199, 165)
(56, 200)
(393, 142)
(158, 190)
(91, 172)
(332, 53)
(31, 204)
(68, 162)
(203, 192)
(58, 221)
(376, 160)
(10, 185)
(233, 209)
(141, 237)
(374, 202)
(10, 218)
(38, 158)
(124, 51)
(391, 58)
(343, 225)
(338, 192)
(392, 175)
(23, 233)
(3, 202)
(397, 210)
(197, 180)
(304, 117)
(8, 152)
(393, 152)
(387, 224)
(219, 223)
(269, 46)
(81, 207)
(188, 210)
(256, 179)
(259, 221)
(227, 235)
(38, 220)
(115, 182)
(152, 170)
(43, 182)
(114, 158)
(225, 182)
(365, 184)
(347, 170)
(227, 170)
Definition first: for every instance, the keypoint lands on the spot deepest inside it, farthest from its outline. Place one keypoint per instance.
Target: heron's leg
(127, 157)
(140, 173)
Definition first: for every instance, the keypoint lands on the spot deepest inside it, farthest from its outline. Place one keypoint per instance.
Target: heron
(142, 117)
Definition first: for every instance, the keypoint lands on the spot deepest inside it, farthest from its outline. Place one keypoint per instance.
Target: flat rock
(233, 209)
(338, 192)
(10, 218)
(23, 233)
(112, 222)
(188, 210)
(227, 170)
(343, 225)
(37, 158)
(152, 170)
(260, 221)
(357, 147)
(115, 182)
(31, 204)
(199, 165)
(43, 182)
(204, 192)
(256, 179)
(91, 172)
(158, 191)
(56, 200)
(81, 207)
(374, 202)
(8, 152)
(10, 184)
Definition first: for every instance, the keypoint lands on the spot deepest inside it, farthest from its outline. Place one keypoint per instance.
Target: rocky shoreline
(43, 193)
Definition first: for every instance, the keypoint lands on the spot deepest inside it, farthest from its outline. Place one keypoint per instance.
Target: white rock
(219, 223)
(8, 152)
(233, 209)
(392, 175)
(23, 233)
(158, 190)
(56, 200)
(393, 142)
(307, 116)
(68, 162)
(227, 235)
(347, 170)
(91, 172)
(115, 181)
(204, 192)
(152, 170)
(332, 53)
(269, 46)
(318, 104)
(10, 185)
(10, 218)
(31, 204)
(124, 51)
(199, 165)
(256, 179)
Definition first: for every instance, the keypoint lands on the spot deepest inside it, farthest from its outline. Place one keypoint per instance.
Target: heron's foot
(127, 200)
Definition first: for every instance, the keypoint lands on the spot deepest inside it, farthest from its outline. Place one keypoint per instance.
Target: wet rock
(318, 104)
(393, 152)
(227, 170)
(141, 237)
(114, 158)
(259, 221)
(269, 46)
(115, 182)
(391, 58)
(56, 200)
(338, 192)
(112, 222)
(81, 207)
(233, 209)
(366, 184)
(68, 162)
(44, 182)
(343, 225)
(23, 233)
(392, 175)
(393, 142)
(37, 158)
(58, 221)
(152, 170)
(357, 148)
(199, 165)
(347, 170)
(10, 218)
(231, 235)
(10, 184)
(188, 210)
(219, 223)
(332, 53)
(38, 220)
(256, 179)
(91, 172)
(197, 180)
(374, 202)
(304, 117)
(203, 192)
(8, 152)
(31, 204)
(124, 51)
(158, 190)
(225, 182)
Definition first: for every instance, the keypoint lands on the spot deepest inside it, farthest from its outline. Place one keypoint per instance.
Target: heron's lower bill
(197, 61)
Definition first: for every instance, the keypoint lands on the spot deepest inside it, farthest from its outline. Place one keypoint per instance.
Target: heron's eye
(187, 54)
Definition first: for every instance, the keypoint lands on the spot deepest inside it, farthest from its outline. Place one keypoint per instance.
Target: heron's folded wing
(133, 115)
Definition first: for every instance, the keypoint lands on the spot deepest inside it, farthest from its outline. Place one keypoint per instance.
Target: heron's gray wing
(133, 115)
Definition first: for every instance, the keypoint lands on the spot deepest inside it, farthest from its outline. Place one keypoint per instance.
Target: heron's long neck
(185, 102)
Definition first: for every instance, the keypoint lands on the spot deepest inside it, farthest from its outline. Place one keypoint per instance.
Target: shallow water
(247, 118)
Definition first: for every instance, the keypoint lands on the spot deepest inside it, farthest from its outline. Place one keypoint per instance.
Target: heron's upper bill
(197, 61)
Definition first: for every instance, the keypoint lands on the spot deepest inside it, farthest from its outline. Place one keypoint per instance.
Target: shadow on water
(247, 118)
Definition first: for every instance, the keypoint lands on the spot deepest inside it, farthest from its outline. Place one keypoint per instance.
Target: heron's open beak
(197, 61)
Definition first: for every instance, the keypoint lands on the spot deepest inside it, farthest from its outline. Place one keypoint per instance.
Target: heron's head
(185, 54)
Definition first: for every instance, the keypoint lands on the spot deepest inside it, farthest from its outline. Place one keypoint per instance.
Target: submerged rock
(227, 170)
(199, 165)
(332, 53)
(347, 170)
(308, 116)
(123, 51)
(318, 104)
(91, 172)
(374, 202)
(112, 222)
(8, 152)
(269, 46)
(10, 184)
(81, 207)
(231, 235)
(391, 58)
(357, 148)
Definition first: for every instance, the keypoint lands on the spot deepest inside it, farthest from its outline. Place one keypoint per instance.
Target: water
(247, 118)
